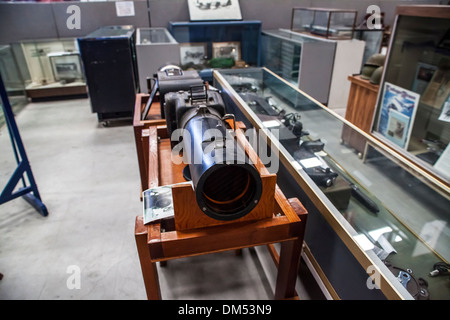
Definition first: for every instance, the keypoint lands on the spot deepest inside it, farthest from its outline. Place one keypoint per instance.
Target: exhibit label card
(158, 202)
(398, 109)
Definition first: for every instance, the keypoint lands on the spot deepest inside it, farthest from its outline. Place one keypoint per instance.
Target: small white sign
(271, 123)
(311, 162)
(125, 8)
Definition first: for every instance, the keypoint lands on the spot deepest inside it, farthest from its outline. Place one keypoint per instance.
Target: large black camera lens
(228, 187)
(229, 191)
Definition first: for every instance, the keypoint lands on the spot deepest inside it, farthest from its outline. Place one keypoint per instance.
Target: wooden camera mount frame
(190, 232)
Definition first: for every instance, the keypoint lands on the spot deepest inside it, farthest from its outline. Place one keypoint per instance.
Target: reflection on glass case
(328, 23)
(413, 107)
(385, 212)
(12, 80)
(54, 67)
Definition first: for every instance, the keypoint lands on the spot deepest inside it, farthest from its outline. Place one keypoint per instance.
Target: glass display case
(281, 52)
(155, 48)
(390, 217)
(318, 66)
(54, 67)
(328, 23)
(12, 79)
(413, 107)
(373, 39)
(218, 44)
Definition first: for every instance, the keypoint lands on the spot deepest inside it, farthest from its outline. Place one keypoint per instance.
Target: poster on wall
(212, 10)
(398, 109)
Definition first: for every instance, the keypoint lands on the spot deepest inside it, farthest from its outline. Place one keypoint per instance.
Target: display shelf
(388, 227)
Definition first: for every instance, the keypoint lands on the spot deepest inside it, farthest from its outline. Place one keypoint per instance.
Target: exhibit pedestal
(360, 110)
(274, 220)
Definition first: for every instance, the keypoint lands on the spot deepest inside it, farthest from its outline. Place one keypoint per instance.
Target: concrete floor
(89, 180)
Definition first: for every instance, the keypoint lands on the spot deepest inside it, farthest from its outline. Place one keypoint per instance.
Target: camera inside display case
(389, 211)
(328, 23)
(54, 68)
(413, 107)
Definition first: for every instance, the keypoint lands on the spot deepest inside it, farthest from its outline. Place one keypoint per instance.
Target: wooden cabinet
(360, 110)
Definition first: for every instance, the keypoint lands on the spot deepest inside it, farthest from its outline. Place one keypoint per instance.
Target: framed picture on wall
(193, 53)
(213, 10)
(227, 50)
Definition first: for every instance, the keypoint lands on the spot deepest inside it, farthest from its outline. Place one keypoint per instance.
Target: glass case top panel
(154, 35)
(413, 112)
(329, 23)
(112, 32)
(403, 220)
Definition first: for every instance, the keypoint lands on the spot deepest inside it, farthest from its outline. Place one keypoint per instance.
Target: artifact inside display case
(413, 107)
(392, 210)
(54, 67)
(222, 55)
(328, 23)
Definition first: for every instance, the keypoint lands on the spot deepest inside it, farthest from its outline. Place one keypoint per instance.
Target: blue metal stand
(29, 192)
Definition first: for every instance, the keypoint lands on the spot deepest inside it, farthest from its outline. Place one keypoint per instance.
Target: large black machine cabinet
(109, 61)
(227, 185)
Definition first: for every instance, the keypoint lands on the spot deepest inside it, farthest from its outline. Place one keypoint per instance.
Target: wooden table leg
(289, 259)
(149, 271)
(288, 269)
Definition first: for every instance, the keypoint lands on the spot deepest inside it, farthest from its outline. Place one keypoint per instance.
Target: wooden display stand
(190, 232)
(360, 110)
(141, 132)
(47, 92)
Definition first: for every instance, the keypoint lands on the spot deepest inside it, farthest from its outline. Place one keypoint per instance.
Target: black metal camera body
(227, 185)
